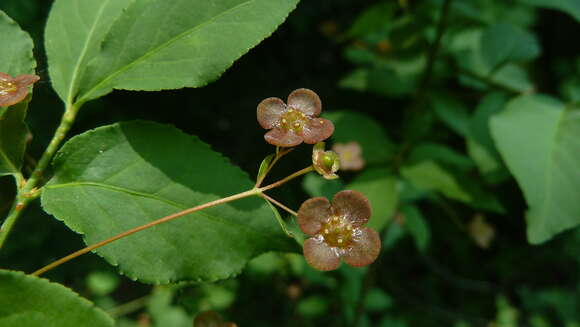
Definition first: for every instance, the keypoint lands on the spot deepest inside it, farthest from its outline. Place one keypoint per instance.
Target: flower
(14, 90)
(326, 163)
(350, 155)
(337, 231)
(293, 123)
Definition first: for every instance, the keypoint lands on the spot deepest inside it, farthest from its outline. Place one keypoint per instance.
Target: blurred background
(404, 79)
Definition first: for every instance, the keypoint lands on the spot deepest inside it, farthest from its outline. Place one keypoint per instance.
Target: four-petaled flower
(337, 231)
(14, 90)
(350, 155)
(296, 122)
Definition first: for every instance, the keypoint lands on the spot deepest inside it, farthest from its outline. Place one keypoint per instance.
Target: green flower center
(7, 87)
(337, 232)
(293, 120)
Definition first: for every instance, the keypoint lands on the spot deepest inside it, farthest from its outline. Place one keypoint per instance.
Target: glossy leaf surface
(117, 177)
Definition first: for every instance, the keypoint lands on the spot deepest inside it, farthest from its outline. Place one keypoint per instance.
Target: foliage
(456, 122)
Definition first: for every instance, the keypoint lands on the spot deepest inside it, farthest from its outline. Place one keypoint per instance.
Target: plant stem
(129, 307)
(434, 50)
(290, 211)
(26, 188)
(253, 191)
(287, 178)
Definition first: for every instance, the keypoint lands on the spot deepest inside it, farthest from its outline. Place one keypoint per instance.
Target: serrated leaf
(428, 175)
(380, 187)
(159, 44)
(366, 131)
(571, 7)
(502, 43)
(120, 176)
(16, 60)
(74, 32)
(538, 138)
(28, 301)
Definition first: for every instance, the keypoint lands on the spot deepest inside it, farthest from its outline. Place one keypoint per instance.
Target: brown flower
(293, 123)
(14, 90)
(350, 155)
(338, 231)
(326, 163)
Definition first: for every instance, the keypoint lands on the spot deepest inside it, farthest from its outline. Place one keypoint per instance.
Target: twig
(290, 211)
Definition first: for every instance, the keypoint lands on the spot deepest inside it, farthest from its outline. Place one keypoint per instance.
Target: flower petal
(269, 112)
(353, 206)
(306, 101)
(317, 130)
(312, 214)
(14, 97)
(279, 137)
(365, 248)
(320, 256)
(5, 77)
(25, 80)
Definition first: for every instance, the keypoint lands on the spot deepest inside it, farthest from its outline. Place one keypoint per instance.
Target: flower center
(293, 120)
(337, 232)
(7, 87)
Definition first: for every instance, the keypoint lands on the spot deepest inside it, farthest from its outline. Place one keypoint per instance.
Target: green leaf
(16, 49)
(29, 301)
(264, 166)
(428, 175)
(13, 134)
(441, 153)
(478, 74)
(316, 185)
(159, 44)
(370, 135)
(120, 176)
(480, 145)
(417, 226)
(571, 7)
(377, 300)
(538, 137)
(372, 19)
(502, 43)
(381, 188)
(452, 112)
(16, 60)
(74, 32)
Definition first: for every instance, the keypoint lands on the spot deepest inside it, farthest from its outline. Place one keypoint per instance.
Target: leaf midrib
(83, 53)
(159, 48)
